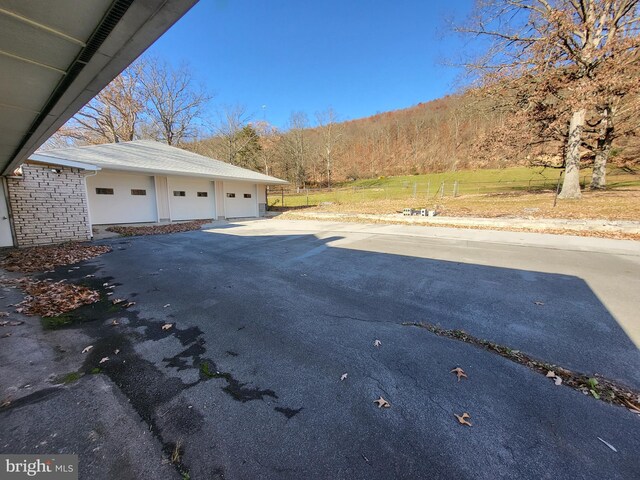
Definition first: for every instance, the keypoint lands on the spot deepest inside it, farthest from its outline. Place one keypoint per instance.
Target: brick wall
(48, 207)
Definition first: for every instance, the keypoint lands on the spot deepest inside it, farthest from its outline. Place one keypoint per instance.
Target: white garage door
(191, 198)
(121, 198)
(240, 200)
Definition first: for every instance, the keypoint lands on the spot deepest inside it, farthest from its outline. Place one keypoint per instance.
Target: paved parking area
(268, 315)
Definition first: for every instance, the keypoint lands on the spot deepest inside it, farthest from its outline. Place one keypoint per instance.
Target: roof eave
(147, 171)
(47, 160)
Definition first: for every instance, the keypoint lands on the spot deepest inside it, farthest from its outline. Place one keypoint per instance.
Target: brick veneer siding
(49, 207)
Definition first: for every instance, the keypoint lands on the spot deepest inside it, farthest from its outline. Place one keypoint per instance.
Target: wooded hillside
(455, 132)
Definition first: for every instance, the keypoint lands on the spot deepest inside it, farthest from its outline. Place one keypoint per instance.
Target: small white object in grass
(608, 444)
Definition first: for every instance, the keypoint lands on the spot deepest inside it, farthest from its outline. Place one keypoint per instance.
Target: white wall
(6, 237)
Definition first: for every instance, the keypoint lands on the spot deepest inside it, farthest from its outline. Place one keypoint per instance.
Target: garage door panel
(121, 198)
(240, 200)
(191, 198)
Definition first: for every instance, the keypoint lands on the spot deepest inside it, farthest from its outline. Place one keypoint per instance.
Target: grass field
(517, 191)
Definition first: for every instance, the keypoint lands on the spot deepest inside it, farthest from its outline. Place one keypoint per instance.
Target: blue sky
(358, 57)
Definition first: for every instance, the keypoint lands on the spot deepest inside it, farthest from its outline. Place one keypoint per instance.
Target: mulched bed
(41, 259)
(158, 229)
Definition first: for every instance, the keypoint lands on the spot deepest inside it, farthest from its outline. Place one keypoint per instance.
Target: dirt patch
(40, 259)
(158, 229)
(597, 386)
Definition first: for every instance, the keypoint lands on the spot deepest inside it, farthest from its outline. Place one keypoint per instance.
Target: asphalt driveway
(266, 316)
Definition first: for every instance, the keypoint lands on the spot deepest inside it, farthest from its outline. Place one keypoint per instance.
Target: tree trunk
(571, 184)
(603, 149)
(599, 179)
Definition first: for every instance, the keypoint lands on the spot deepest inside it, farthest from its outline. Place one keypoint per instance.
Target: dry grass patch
(611, 205)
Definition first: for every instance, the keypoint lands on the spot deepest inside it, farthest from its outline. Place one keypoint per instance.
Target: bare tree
(330, 134)
(269, 139)
(111, 116)
(539, 37)
(296, 148)
(232, 119)
(174, 103)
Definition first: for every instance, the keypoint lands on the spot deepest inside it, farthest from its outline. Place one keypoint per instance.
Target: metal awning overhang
(56, 56)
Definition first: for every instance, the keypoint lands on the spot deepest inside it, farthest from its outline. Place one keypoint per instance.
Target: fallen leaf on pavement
(167, 305)
(551, 374)
(632, 407)
(89, 276)
(86, 349)
(116, 301)
(12, 323)
(46, 258)
(50, 299)
(463, 419)
(377, 343)
(128, 304)
(382, 403)
(459, 372)
(608, 444)
(157, 229)
(167, 326)
(343, 376)
(538, 303)
(114, 322)
(104, 359)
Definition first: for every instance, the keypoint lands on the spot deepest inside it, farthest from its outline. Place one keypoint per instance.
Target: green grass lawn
(422, 190)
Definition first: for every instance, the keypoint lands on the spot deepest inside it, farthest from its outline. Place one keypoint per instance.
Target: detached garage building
(60, 194)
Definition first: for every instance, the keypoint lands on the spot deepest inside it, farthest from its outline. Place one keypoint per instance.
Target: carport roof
(147, 156)
(57, 55)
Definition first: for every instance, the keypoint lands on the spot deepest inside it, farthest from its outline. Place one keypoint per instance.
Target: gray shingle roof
(153, 158)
